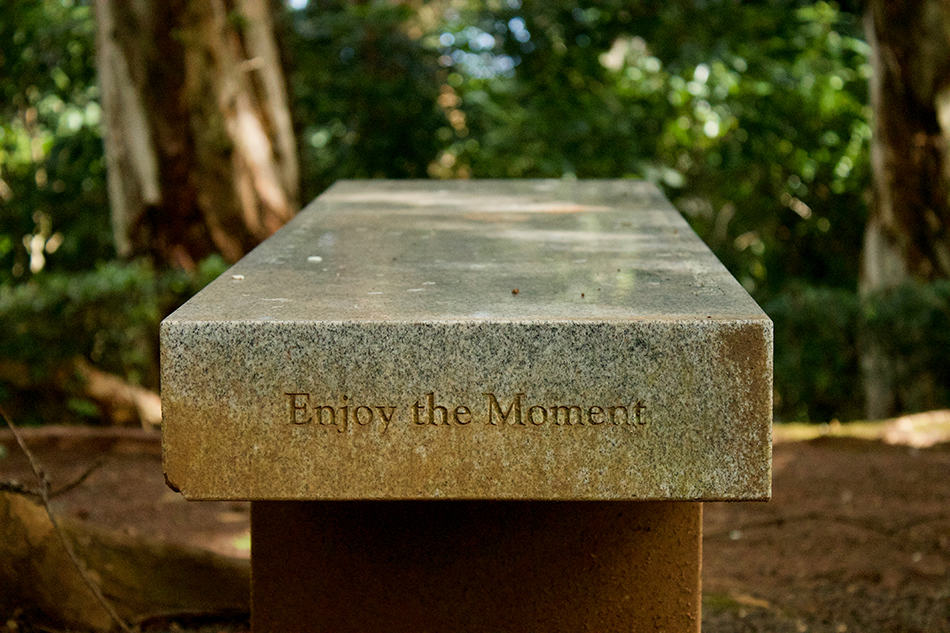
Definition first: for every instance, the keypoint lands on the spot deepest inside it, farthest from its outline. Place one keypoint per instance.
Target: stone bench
(473, 406)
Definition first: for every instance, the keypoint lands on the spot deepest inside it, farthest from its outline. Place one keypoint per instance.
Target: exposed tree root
(119, 401)
(144, 579)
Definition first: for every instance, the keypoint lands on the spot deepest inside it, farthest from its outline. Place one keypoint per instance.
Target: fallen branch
(144, 439)
(23, 489)
(143, 578)
(108, 390)
(119, 401)
(75, 483)
(18, 488)
(44, 495)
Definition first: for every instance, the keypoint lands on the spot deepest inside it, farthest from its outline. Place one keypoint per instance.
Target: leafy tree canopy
(53, 206)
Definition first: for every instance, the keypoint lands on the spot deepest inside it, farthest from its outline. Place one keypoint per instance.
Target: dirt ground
(856, 538)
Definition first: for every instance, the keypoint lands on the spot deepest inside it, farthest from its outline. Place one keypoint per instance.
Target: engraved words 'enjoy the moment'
(512, 411)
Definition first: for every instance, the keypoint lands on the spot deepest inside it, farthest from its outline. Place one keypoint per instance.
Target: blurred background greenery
(753, 117)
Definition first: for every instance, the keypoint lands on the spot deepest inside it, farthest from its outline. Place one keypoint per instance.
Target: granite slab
(529, 339)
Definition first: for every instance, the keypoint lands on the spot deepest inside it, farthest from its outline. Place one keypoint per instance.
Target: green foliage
(819, 333)
(752, 116)
(816, 369)
(365, 91)
(53, 206)
(911, 323)
(109, 316)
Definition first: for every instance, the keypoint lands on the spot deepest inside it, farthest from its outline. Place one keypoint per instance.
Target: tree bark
(908, 231)
(200, 149)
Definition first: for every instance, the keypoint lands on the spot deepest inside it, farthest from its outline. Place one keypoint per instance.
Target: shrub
(108, 316)
(819, 334)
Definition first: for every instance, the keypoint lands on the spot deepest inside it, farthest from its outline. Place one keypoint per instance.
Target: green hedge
(911, 324)
(109, 316)
(819, 333)
(816, 365)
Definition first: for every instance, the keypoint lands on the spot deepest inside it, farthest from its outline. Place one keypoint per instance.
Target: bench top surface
(433, 251)
(472, 340)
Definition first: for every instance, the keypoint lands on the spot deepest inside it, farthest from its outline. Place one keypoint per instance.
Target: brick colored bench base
(475, 566)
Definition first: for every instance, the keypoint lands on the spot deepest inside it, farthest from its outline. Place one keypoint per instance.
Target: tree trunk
(200, 149)
(908, 231)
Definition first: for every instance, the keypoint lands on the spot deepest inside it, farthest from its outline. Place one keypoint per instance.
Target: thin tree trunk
(908, 231)
(199, 144)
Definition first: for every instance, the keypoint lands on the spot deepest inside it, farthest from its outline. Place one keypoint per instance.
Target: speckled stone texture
(523, 340)
(476, 566)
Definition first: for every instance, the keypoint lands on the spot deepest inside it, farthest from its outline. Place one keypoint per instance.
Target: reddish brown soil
(857, 537)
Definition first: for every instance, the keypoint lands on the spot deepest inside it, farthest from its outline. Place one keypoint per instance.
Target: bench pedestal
(475, 566)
